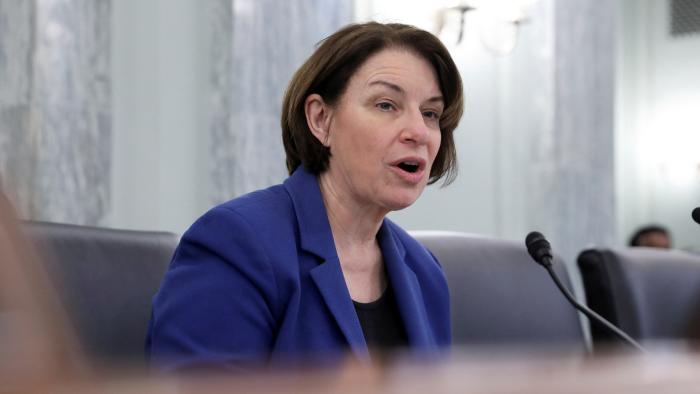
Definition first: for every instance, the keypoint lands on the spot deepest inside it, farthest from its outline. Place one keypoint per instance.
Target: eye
(432, 115)
(385, 106)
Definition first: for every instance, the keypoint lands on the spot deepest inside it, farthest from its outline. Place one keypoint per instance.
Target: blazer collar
(316, 238)
(314, 229)
(407, 290)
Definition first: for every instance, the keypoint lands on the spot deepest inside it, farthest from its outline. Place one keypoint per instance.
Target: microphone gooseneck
(696, 215)
(541, 251)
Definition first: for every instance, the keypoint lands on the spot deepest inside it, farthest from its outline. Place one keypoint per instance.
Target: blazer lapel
(406, 290)
(330, 282)
(316, 238)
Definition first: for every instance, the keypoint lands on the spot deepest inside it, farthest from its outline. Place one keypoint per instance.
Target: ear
(318, 118)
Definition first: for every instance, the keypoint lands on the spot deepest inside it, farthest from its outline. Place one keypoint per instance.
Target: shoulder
(226, 248)
(261, 210)
(255, 234)
(235, 233)
(259, 205)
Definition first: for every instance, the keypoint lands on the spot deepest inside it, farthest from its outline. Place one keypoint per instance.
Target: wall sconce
(499, 21)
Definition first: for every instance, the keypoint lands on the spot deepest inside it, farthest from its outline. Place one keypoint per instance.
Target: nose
(414, 129)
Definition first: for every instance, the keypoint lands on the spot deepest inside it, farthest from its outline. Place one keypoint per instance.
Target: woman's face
(384, 132)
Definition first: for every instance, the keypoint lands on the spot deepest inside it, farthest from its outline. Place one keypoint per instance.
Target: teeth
(411, 163)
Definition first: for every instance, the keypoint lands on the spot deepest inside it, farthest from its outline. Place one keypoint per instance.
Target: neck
(354, 224)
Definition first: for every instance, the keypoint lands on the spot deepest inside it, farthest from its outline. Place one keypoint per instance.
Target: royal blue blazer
(257, 279)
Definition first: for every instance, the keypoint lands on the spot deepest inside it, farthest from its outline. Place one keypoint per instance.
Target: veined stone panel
(17, 138)
(56, 113)
(579, 190)
(256, 46)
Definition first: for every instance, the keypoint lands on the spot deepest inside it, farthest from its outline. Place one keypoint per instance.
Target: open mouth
(409, 166)
(410, 169)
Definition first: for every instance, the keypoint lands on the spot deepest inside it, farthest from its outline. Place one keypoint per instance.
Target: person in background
(312, 269)
(653, 236)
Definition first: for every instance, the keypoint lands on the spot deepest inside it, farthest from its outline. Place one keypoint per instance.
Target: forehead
(400, 66)
(656, 235)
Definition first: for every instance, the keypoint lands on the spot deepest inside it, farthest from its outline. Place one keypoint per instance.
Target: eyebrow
(399, 89)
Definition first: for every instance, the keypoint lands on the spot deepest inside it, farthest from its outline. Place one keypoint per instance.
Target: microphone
(541, 251)
(696, 215)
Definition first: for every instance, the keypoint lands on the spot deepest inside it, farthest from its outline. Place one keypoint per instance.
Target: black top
(381, 322)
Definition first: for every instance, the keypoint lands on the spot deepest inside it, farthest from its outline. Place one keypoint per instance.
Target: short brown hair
(331, 66)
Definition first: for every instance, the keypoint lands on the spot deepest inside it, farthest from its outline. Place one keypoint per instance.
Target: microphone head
(696, 215)
(539, 248)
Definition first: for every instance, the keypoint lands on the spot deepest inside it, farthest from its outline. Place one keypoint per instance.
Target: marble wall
(255, 47)
(55, 109)
(17, 152)
(547, 165)
(578, 187)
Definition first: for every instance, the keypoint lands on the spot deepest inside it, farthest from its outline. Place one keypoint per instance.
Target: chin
(402, 201)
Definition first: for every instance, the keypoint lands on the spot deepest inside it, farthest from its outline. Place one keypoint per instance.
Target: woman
(312, 268)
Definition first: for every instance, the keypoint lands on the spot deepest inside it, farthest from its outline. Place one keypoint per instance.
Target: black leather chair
(106, 279)
(500, 296)
(652, 294)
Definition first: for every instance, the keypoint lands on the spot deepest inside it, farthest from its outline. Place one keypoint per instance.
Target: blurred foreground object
(37, 346)
(664, 371)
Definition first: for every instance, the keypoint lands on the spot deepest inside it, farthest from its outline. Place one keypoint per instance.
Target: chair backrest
(500, 296)
(652, 294)
(105, 279)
